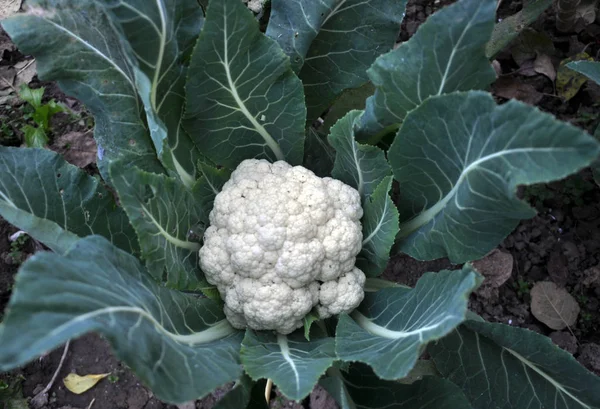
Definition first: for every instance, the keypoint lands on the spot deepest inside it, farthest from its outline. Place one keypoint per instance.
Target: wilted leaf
(568, 81)
(78, 148)
(543, 65)
(496, 268)
(512, 88)
(553, 305)
(79, 384)
(26, 70)
(530, 44)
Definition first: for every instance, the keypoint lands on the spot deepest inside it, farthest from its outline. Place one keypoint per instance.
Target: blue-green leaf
(243, 99)
(161, 34)
(590, 69)
(504, 367)
(361, 388)
(446, 54)
(459, 159)
(208, 186)
(76, 44)
(293, 363)
(56, 202)
(162, 212)
(171, 340)
(380, 226)
(334, 42)
(392, 326)
(361, 166)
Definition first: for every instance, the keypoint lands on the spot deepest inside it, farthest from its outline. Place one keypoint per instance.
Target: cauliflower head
(282, 241)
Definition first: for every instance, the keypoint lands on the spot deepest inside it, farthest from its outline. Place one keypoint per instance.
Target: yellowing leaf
(568, 82)
(79, 384)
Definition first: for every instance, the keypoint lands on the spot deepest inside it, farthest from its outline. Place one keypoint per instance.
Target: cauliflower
(281, 242)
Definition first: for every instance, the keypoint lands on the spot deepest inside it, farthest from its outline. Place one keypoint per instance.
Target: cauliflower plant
(282, 241)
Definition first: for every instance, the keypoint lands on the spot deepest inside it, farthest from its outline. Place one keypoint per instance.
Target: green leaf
(351, 34)
(162, 211)
(361, 388)
(243, 99)
(354, 98)
(308, 320)
(505, 367)
(239, 396)
(76, 44)
(162, 34)
(35, 137)
(459, 159)
(380, 226)
(318, 154)
(294, 364)
(361, 166)
(392, 326)
(55, 202)
(510, 27)
(590, 69)
(31, 96)
(446, 54)
(171, 340)
(208, 187)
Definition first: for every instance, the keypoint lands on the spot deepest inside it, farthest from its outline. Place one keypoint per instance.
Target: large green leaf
(76, 44)
(208, 187)
(293, 363)
(163, 212)
(243, 99)
(319, 156)
(351, 34)
(360, 388)
(503, 367)
(446, 54)
(179, 345)
(379, 228)
(392, 326)
(459, 159)
(590, 69)
(162, 34)
(56, 202)
(361, 166)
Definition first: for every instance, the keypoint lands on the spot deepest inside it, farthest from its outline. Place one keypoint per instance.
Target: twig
(91, 403)
(25, 67)
(268, 390)
(42, 397)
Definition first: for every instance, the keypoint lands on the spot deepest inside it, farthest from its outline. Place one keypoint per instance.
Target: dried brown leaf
(543, 65)
(511, 88)
(496, 267)
(78, 148)
(553, 305)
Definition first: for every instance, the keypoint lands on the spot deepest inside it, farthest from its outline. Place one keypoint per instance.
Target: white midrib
(271, 143)
(188, 245)
(383, 332)
(361, 181)
(426, 216)
(214, 333)
(333, 12)
(544, 375)
(285, 352)
(378, 227)
(161, 54)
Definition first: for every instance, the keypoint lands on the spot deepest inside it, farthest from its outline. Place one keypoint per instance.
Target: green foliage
(37, 136)
(181, 94)
(16, 249)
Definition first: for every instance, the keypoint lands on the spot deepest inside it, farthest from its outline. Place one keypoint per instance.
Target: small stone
(589, 356)
(564, 340)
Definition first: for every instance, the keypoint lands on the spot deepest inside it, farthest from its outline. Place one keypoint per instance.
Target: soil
(561, 244)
